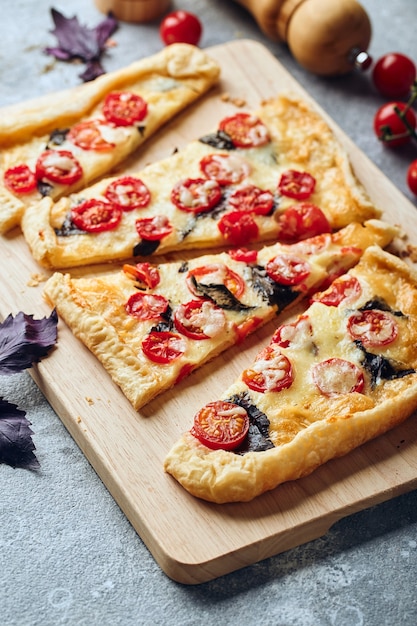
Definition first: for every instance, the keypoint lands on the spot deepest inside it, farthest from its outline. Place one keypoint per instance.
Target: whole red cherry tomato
(180, 27)
(387, 124)
(412, 177)
(393, 75)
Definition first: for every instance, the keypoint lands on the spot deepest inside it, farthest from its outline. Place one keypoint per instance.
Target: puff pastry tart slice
(340, 374)
(151, 325)
(278, 173)
(57, 144)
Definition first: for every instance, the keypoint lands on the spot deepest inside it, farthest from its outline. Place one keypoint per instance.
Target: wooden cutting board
(194, 541)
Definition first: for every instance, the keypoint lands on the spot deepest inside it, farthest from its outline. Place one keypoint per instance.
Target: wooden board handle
(326, 37)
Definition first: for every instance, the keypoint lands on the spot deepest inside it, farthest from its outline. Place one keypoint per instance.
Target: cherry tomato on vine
(390, 128)
(180, 27)
(412, 177)
(394, 74)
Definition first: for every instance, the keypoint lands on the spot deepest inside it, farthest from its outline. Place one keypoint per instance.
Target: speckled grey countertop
(68, 555)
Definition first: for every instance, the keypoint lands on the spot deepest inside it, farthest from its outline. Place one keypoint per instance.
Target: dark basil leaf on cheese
(220, 295)
(57, 137)
(146, 247)
(220, 140)
(269, 290)
(381, 368)
(257, 439)
(381, 305)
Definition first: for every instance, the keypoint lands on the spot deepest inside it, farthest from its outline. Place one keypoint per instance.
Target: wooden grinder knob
(327, 37)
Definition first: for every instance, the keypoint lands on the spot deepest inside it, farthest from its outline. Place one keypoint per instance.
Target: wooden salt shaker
(327, 37)
(134, 10)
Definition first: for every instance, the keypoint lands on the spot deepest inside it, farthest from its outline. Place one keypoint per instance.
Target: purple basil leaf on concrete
(16, 445)
(76, 41)
(24, 341)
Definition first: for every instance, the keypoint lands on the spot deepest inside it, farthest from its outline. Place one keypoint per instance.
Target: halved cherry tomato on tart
(226, 169)
(302, 221)
(292, 333)
(252, 199)
(144, 273)
(146, 306)
(373, 328)
(154, 228)
(199, 319)
(244, 255)
(95, 216)
(124, 108)
(297, 185)
(221, 425)
(163, 347)
(196, 195)
(216, 274)
(288, 269)
(20, 179)
(245, 130)
(58, 166)
(343, 288)
(238, 227)
(337, 376)
(88, 135)
(128, 193)
(271, 371)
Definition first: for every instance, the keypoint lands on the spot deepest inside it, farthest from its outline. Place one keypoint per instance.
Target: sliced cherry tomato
(124, 108)
(293, 333)
(345, 288)
(128, 193)
(394, 74)
(412, 177)
(58, 166)
(301, 221)
(199, 319)
(144, 273)
(88, 136)
(95, 216)
(196, 195)
(297, 185)
(221, 425)
(252, 199)
(216, 274)
(271, 371)
(288, 269)
(163, 347)
(153, 228)
(337, 376)
(243, 255)
(146, 306)
(238, 228)
(373, 328)
(180, 27)
(390, 128)
(20, 179)
(245, 130)
(226, 169)
(247, 327)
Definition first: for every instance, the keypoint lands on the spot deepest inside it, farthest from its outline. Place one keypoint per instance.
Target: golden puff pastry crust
(94, 306)
(299, 140)
(306, 426)
(168, 81)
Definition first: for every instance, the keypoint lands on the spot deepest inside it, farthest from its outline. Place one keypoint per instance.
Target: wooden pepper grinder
(327, 37)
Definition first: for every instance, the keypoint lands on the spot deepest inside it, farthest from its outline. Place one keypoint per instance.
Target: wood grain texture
(194, 541)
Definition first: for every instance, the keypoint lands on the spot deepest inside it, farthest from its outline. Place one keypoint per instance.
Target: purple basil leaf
(16, 445)
(24, 341)
(76, 41)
